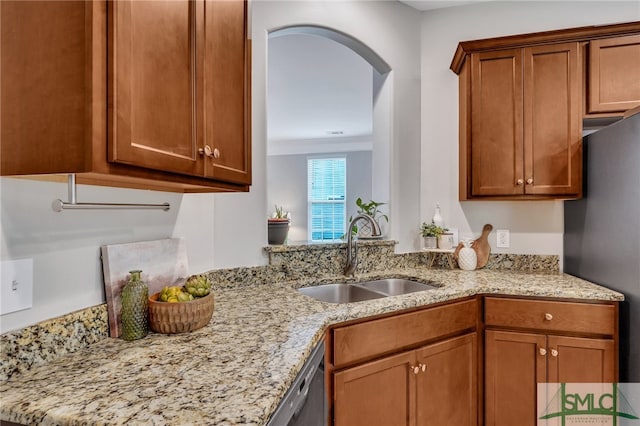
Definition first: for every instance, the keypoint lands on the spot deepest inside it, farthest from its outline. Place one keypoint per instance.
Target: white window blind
(327, 182)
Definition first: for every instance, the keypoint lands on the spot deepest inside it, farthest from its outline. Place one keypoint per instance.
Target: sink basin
(340, 293)
(396, 286)
(367, 290)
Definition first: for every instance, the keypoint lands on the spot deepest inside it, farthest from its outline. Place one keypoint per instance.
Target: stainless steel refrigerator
(602, 230)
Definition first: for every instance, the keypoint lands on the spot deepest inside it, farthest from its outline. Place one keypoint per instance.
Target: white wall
(65, 247)
(392, 30)
(536, 227)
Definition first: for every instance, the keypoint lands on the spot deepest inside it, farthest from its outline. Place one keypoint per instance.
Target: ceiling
(317, 89)
(320, 90)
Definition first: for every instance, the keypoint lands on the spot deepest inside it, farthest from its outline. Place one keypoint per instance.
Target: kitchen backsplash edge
(22, 349)
(48, 340)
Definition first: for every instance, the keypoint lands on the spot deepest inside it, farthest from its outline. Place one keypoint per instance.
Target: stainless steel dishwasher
(305, 403)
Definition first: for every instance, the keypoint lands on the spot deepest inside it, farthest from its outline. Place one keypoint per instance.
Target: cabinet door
(226, 91)
(376, 393)
(44, 86)
(580, 360)
(552, 119)
(514, 364)
(614, 74)
(152, 119)
(496, 123)
(446, 391)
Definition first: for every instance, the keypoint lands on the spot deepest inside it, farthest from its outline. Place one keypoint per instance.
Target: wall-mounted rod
(73, 204)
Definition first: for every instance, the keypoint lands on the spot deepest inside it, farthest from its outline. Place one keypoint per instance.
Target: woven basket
(170, 318)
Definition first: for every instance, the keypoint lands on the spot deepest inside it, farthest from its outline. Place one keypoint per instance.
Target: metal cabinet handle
(548, 316)
(519, 182)
(554, 352)
(529, 181)
(418, 368)
(208, 152)
(543, 351)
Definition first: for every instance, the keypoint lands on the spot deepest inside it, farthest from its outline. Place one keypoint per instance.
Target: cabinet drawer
(377, 337)
(550, 316)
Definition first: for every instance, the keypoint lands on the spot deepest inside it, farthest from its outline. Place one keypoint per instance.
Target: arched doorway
(307, 118)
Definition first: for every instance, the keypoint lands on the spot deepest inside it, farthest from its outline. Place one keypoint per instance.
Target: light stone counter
(236, 369)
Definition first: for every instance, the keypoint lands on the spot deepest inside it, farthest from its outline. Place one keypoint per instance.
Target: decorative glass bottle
(135, 301)
(437, 217)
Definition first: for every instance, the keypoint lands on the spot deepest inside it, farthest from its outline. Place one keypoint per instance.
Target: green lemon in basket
(170, 294)
(198, 285)
(184, 297)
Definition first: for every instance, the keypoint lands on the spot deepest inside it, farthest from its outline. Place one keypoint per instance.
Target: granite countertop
(236, 369)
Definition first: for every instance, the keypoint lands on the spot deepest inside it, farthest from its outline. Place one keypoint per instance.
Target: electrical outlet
(503, 238)
(16, 285)
(454, 231)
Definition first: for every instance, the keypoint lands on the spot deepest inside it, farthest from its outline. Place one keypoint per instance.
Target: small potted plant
(431, 232)
(278, 226)
(370, 209)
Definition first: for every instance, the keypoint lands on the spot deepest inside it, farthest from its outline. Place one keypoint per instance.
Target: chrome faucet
(352, 246)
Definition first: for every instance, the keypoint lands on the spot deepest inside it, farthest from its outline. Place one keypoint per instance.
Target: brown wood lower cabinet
(432, 385)
(379, 392)
(512, 369)
(446, 393)
(581, 360)
(516, 362)
(425, 367)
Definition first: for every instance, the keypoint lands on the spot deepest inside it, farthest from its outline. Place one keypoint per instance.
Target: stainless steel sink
(367, 290)
(340, 293)
(396, 286)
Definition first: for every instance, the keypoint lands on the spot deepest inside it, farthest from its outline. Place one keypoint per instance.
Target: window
(327, 182)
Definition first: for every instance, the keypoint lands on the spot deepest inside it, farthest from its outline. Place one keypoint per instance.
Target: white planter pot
(445, 241)
(430, 242)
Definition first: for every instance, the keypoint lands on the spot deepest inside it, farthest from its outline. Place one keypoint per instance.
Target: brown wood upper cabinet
(521, 107)
(614, 74)
(139, 94)
(152, 90)
(179, 89)
(525, 136)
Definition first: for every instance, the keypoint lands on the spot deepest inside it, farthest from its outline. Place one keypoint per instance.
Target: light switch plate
(16, 285)
(503, 238)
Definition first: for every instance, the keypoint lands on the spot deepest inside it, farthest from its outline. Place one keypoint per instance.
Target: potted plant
(431, 233)
(370, 209)
(278, 226)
